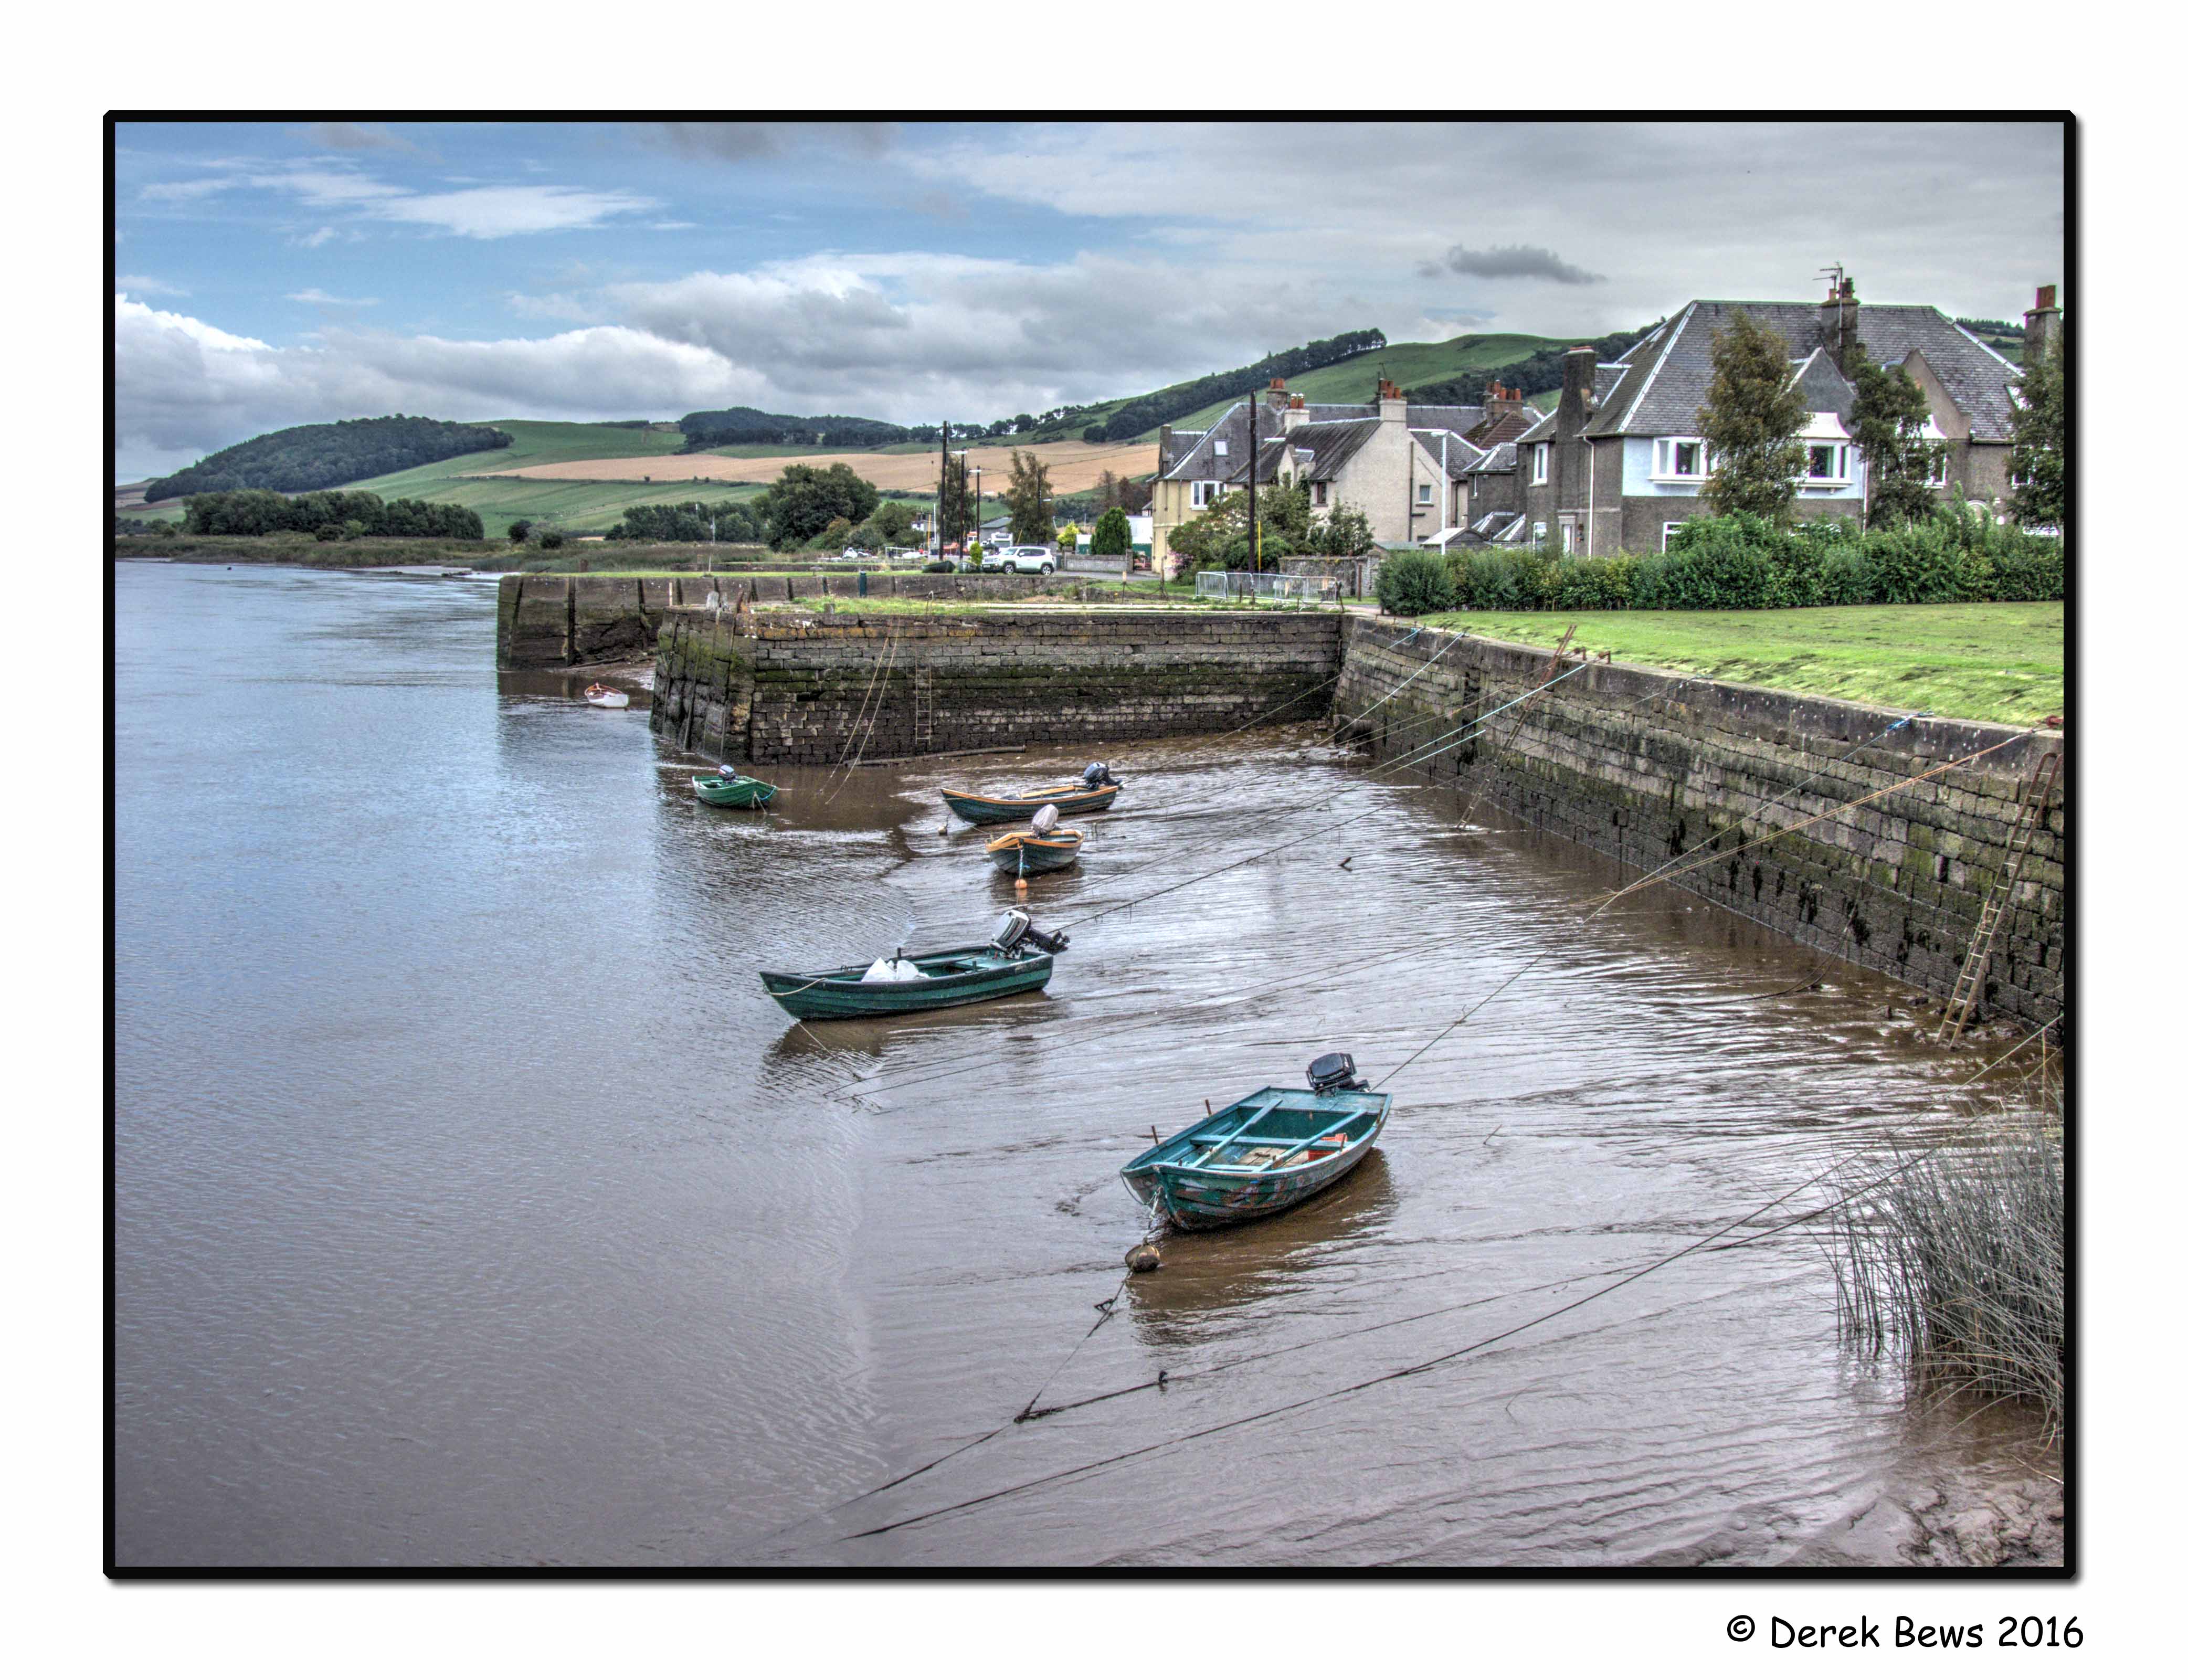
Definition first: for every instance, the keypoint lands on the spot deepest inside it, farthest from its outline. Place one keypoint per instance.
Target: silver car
(1020, 557)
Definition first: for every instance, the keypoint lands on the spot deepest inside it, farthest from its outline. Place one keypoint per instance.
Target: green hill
(1353, 380)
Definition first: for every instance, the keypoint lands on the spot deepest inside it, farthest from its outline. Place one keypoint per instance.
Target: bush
(329, 532)
(519, 529)
(1412, 583)
(1113, 534)
(550, 537)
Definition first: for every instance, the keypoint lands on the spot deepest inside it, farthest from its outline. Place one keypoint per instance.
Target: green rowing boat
(732, 791)
(1095, 791)
(1018, 959)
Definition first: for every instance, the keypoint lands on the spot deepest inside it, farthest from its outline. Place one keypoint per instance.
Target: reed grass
(1958, 1256)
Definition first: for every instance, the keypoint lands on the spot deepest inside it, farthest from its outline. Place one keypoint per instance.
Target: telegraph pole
(942, 498)
(1252, 496)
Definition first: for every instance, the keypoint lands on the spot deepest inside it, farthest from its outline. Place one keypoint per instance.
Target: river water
(474, 1205)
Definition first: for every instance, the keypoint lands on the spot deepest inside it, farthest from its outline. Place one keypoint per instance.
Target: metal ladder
(923, 709)
(2035, 799)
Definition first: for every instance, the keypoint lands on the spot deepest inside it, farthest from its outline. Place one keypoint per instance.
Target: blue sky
(273, 274)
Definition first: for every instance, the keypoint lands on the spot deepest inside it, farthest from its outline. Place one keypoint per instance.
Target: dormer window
(1681, 460)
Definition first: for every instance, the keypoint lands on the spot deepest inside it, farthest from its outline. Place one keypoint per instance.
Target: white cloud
(313, 294)
(485, 213)
(144, 285)
(184, 387)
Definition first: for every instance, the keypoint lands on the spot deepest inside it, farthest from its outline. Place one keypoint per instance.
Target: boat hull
(742, 794)
(1035, 853)
(1074, 799)
(1173, 1179)
(970, 974)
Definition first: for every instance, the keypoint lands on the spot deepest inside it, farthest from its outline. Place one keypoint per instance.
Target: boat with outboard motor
(600, 694)
(1095, 790)
(1018, 959)
(1265, 1153)
(1037, 850)
(733, 790)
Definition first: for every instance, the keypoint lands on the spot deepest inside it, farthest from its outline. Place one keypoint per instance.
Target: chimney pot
(1276, 382)
(2047, 297)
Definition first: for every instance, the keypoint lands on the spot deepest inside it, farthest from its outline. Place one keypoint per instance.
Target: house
(1408, 467)
(1143, 527)
(1621, 465)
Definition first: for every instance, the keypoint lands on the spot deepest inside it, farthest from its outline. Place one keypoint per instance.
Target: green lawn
(2003, 662)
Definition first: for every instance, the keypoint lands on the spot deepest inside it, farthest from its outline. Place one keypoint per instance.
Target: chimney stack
(1577, 400)
(1838, 322)
(1294, 413)
(1389, 402)
(1497, 402)
(2040, 327)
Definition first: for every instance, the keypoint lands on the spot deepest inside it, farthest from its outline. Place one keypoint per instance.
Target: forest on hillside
(1173, 402)
(317, 457)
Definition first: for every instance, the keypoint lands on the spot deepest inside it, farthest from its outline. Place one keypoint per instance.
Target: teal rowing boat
(1025, 852)
(1018, 959)
(733, 790)
(1095, 791)
(1264, 1153)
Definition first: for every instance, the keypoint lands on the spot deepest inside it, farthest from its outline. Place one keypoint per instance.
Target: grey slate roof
(1340, 411)
(1445, 416)
(1200, 460)
(1822, 387)
(1543, 429)
(1323, 447)
(1502, 459)
(1671, 372)
(1446, 447)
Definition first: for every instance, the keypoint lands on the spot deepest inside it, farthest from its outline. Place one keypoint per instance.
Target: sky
(274, 274)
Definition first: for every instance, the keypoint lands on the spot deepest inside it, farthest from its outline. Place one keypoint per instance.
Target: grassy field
(1353, 380)
(2002, 662)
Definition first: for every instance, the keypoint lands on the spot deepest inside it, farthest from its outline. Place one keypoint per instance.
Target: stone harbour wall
(1644, 765)
(776, 689)
(545, 620)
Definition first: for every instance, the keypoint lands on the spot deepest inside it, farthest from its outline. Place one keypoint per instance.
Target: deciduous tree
(1752, 422)
(1029, 499)
(2039, 443)
(1889, 413)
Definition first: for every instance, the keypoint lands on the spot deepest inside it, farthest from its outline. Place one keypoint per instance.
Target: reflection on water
(474, 1204)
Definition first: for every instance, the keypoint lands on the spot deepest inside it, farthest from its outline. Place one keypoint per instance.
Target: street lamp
(978, 510)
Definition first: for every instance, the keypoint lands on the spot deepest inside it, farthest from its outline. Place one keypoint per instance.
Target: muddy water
(475, 1205)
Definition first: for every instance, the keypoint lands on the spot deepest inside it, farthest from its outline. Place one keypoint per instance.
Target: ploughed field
(1072, 467)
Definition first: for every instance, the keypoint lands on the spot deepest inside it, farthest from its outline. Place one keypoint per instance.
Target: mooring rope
(840, 778)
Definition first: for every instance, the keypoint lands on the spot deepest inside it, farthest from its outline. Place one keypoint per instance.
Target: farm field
(1073, 467)
(1998, 662)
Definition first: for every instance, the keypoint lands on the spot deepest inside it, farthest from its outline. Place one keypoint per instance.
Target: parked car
(1020, 557)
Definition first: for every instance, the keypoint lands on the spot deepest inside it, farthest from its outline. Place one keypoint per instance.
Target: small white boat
(600, 694)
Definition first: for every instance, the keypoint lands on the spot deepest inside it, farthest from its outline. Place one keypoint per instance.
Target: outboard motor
(1332, 1072)
(1097, 775)
(730, 772)
(1016, 930)
(1046, 819)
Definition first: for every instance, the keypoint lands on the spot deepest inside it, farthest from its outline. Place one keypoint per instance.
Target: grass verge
(2003, 662)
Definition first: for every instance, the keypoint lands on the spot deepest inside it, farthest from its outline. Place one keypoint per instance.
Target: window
(1669, 525)
(1542, 464)
(1827, 464)
(1206, 491)
(1937, 479)
(1681, 458)
(1425, 494)
(1221, 448)
(1322, 493)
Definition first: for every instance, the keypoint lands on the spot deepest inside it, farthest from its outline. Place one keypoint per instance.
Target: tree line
(315, 457)
(1174, 402)
(327, 514)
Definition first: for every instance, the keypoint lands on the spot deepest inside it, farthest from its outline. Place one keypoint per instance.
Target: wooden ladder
(923, 709)
(2035, 798)
(1556, 660)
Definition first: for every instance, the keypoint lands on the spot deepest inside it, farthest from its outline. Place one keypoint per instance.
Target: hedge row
(1741, 562)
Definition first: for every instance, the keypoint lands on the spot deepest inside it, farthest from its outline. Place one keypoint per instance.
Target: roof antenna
(1837, 272)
